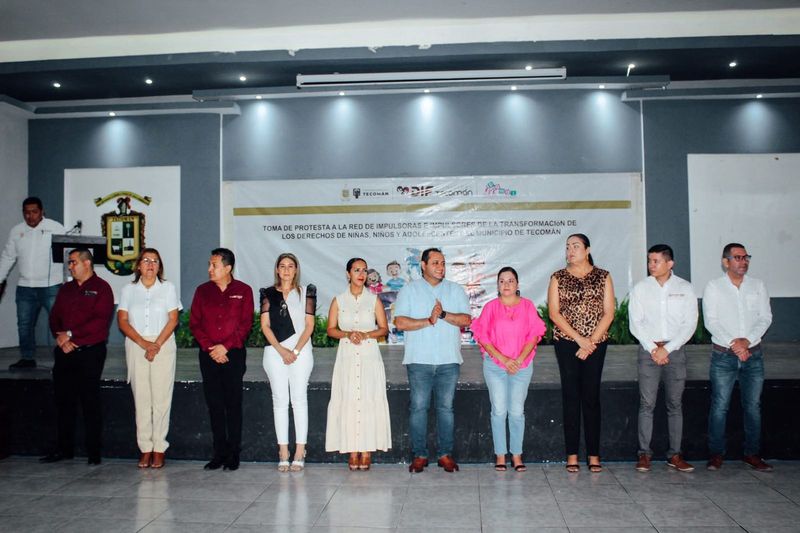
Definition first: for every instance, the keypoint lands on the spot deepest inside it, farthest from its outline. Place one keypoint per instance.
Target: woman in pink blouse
(508, 331)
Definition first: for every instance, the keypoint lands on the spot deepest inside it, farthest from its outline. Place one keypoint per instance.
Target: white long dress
(358, 413)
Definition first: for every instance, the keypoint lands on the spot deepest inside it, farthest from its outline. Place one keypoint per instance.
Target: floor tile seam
(558, 505)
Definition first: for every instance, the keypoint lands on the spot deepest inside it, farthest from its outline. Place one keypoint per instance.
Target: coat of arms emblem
(124, 232)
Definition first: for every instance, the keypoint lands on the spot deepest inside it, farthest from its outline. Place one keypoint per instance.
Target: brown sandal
(144, 460)
(353, 461)
(366, 461)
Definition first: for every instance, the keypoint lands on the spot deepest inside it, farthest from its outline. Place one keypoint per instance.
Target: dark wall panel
(433, 135)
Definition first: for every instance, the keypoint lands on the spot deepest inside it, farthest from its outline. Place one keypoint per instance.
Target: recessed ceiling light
(56, 85)
(513, 87)
(242, 78)
(601, 86)
(759, 96)
(426, 91)
(258, 97)
(341, 93)
(148, 81)
(631, 66)
(528, 67)
(112, 114)
(732, 64)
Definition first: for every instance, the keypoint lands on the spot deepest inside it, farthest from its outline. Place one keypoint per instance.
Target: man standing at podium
(39, 278)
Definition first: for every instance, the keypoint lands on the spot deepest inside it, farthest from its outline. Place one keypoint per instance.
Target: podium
(62, 245)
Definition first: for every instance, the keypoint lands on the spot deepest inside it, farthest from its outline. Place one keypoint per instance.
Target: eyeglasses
(740, 257)
(149, 261)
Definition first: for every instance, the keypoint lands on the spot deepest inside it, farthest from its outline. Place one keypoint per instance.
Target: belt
(87, 346)
(726, 349)
(661, 344)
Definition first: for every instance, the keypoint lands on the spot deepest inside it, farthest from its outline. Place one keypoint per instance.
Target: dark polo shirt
(85, 310)
(222, 317)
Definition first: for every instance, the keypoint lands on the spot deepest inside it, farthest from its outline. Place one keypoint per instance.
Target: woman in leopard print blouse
(581, 303)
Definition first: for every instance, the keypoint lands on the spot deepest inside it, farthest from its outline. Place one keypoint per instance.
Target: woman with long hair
(358, 412)
(147, 315)
(581, 303)
(287, 320)
(507, 332)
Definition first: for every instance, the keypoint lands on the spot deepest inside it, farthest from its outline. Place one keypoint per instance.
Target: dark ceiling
(682, 59)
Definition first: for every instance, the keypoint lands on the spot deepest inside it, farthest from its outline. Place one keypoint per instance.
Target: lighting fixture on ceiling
(112, 114)
(258, 97)
(148, 81)
(437, 77)
(56, 85)
(601, 86)
(528, 67)
(513, 87)
(631, 66)
(732, 64)
(341, 93)
(426, 91)
(759, 96)
(242, 78)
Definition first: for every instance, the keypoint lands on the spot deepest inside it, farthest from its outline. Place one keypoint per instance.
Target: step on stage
(27, 412)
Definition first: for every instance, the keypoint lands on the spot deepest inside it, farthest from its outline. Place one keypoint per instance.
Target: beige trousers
(152, 384)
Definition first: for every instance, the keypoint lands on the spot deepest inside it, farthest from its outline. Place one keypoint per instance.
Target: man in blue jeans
(432, 312)
(737, 313)
(39, 278)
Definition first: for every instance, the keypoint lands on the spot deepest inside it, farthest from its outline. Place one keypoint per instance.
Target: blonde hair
(296, 279)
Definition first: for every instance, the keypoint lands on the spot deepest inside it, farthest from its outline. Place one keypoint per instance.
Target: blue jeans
(424, 380)
(30, 300)
(725, 369)
(507, 392)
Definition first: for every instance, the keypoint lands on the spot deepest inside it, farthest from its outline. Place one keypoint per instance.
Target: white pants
(289, 383)
(152, 384)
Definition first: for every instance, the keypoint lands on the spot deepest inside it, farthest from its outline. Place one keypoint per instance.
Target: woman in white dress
(358, 413)
(287, 320)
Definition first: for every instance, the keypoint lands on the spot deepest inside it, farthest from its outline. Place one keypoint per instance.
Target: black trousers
(76, 379)
(580, 395)
(222, 385)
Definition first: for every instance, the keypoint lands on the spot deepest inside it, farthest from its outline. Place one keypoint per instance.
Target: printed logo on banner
(124, 232)
(430, 190)
(495, 189)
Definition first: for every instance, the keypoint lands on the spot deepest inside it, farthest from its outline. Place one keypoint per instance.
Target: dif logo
(416, 190)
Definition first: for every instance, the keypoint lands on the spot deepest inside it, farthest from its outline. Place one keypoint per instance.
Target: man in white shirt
(39, 278)
(737, 313)
(663, 317)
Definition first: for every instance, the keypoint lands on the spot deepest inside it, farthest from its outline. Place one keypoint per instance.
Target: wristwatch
(296, 351)
(69, 334)
(443, 314)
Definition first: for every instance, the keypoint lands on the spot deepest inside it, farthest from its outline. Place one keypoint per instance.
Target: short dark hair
(84, 254)
(424, 257)
(663, 249)
(32, 200)
(352, 261)
(226, 255)
(726, 252)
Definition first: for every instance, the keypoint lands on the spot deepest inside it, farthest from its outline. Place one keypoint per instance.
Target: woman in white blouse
(147, 315)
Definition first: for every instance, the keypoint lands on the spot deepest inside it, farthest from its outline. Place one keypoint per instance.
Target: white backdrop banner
(161, 224)
(481, 223)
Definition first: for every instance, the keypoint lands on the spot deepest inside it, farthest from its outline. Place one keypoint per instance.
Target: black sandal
(595, 468)
(500, 467)
(573, 468)
(520, 467)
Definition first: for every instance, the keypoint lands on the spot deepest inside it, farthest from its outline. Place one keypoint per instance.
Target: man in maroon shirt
(79, 322)
(220, 320)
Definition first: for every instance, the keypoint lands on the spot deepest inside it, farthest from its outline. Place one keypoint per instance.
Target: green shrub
(619, 332)
(544, 312)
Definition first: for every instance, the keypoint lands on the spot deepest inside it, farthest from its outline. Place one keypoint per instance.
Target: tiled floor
(116, 496)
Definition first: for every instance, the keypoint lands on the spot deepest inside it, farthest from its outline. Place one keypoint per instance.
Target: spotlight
(148, 81)
(513, 87)
(759, 96)
(258, 97)
(242, 78)
(341, 93)
(426, 91)
(112, 114)
(732, 64)
(601, 86)
(528, 67)
(56, 85)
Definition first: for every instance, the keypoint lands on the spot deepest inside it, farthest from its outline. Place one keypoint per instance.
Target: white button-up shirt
(30, 248)
(148, 309)
(732, 313)
(663, 313)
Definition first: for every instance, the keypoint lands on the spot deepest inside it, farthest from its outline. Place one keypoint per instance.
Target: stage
(27, 413)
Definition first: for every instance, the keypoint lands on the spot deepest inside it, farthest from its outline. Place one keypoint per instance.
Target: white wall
(14, 188)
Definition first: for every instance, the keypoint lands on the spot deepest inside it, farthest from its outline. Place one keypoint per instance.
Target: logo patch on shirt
(90, 293)
(236, 296)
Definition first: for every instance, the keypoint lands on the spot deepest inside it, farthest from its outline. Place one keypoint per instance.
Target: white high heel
(298, 465)
(283, 464)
